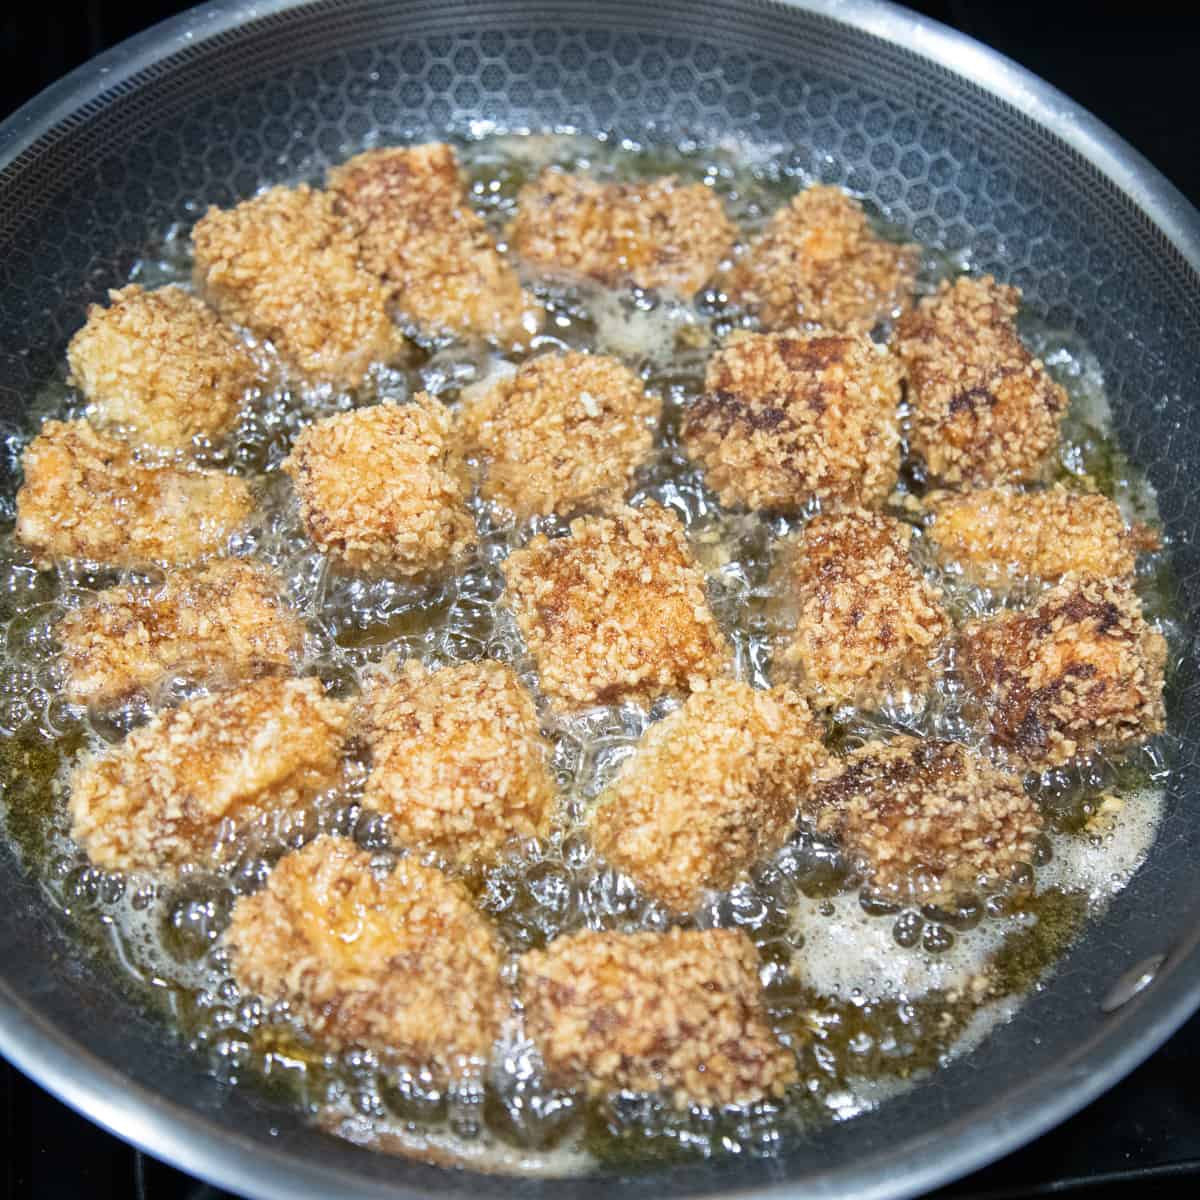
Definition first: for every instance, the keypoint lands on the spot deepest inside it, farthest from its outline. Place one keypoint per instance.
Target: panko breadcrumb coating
(178, 786)
(220, 623)
(984, 410)
(398, 962)
(419, 234)
(616, 611)
(87, 496)
(1080, 670)
(286, 265)
(712, 789)
(679, 1012)
(161, 365)
(868, 624)
(819, 263)
(383, 490)
(565, 432)
(654, 233)
(786, 419)
(457, 759)
(924, 819)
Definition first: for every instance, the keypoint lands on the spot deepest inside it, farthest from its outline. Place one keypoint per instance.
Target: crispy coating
(179, 786)
(1080, 670)
(458, 760)
(786, 419)
(383, 490)
(984, 409)
(401, 963)
(868, 624)
(679, 1012)
(617, 611)
(712, 790)
(87, 496)
(419, 234)
(285, 265)
(655, 233)
(924, 819)
(565, 432)
(818, 263)
(220, 623)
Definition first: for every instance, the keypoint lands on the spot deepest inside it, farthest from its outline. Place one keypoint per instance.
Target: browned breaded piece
(1080, 670)
(383, 490)
(565, 432)
(419, 234)
(712, 790)
(655, 233)
(285, 265)
(819, 263)
(868, 623)
(87, 496)
(170, 792)
(617, 611)
(924, 819)
(984, 409)
(786, 419)
(401, 963)
(221, 623)
(457, 759)
(679, 1012)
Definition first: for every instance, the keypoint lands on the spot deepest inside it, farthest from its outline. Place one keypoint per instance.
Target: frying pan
(960, 146)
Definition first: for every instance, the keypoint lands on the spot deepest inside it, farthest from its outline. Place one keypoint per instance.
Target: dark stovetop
(1134, 67)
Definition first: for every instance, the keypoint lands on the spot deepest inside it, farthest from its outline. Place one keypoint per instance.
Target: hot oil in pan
(871, 998)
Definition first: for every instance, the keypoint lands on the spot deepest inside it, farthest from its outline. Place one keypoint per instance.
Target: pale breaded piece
(712, 789)
(221, 623)
(457, 759)
(984, 410)
(567, 431)
(383, 490)
(617, 611)
(819, 263)
(1080, 670)
(401, 963)
(868, 624)
(87, 496)
(679, 1012)
(419, 234)
(285, 265)
(924, 819)
(179, 785)
(655, 233)
(161, 365)
(786, 419)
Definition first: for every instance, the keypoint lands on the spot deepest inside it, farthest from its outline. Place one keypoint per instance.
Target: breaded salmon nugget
(457, 759)
(565, 432)
(87, 496)
(1080, 670)
(616, 611)
(868, 624)
(712, 789)
(786, 419)
(984, 409)
(383, 490)
(679, 1012)
(161, 365)
(655, 233)
(395, 961)
(285, 265)
(818, 263)
(419, 234)
(174, 789)
(223, 622)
